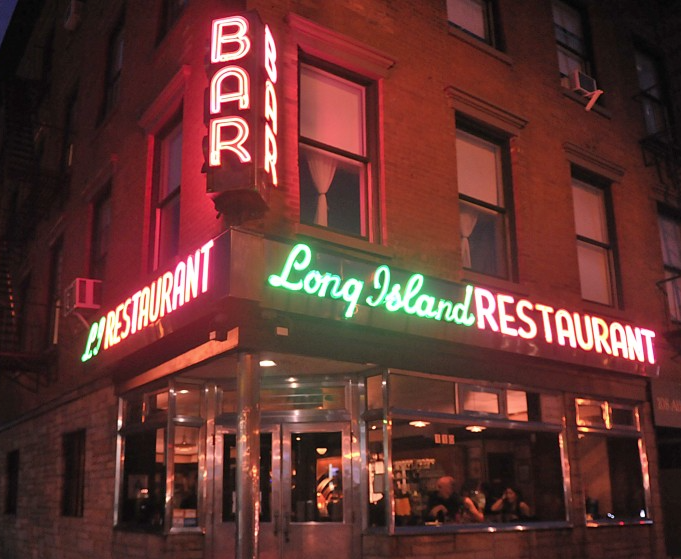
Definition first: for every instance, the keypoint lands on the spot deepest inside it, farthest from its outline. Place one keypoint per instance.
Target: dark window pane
(73, 448)
(12, 480)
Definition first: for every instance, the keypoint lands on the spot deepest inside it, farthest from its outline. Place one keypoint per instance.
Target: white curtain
(322, 169)
(467, 220)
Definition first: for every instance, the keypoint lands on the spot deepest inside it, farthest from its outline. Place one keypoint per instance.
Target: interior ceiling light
(419, 423)
(267, 363)
(321, 450)
(475, 428)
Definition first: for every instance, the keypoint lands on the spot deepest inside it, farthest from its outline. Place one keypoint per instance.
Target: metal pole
(248, 457)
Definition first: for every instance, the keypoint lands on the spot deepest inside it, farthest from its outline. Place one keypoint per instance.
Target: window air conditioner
(83, 293)
(582, 83)
(73, 15)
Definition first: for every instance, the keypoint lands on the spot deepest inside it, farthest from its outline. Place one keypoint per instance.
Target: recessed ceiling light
(419, 423)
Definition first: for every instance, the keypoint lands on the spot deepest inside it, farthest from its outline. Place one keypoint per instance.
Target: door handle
(287, 524)
(276, 523)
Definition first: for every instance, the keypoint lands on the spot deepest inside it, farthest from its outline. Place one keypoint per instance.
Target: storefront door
(305, 481)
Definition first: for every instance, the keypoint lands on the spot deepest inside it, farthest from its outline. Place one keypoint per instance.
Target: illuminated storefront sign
(170, 291)
(477, 307)
(241, 110)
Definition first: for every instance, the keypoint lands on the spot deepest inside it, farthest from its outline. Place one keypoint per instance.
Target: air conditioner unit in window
(586, 86)
(73, 15)
(83, 293)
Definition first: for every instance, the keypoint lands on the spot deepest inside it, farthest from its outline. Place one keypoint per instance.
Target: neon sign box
(241, 113)
(189, 280)
(477, 308)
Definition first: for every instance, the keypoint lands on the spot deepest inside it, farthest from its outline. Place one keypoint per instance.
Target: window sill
(345, 243)
(480, 45)
(487, 527)
(615, 522)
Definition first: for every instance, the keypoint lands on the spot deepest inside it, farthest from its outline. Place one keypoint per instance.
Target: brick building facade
(273, 273)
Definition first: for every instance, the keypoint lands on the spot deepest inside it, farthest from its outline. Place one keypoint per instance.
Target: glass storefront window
(612, 462)
(377, 474)
(143, 489)
(160, 440)
(464, 454)
(479, 465)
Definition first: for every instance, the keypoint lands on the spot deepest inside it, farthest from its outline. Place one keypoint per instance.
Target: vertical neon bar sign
(241, 110)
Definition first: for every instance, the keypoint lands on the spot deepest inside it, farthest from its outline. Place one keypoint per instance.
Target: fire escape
(27, 196)
(661, 148)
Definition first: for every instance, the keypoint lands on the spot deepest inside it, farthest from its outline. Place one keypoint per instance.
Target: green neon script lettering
(299, 259)
(94, 341)
(409, 300)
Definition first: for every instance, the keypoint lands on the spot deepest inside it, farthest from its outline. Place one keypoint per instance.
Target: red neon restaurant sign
(167, 293)
(241, 113)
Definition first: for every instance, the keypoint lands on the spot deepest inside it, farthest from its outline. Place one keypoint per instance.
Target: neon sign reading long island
(170, 291)
(479, 307)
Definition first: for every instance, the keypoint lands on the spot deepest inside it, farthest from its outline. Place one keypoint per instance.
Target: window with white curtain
(594, 246)
(474, 17)
(483, 216)
(570, 32)
(670, 237)
(333, 155)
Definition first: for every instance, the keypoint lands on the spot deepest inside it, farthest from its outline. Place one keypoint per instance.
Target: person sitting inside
(511, 506)
(473, 502)
(444, 505)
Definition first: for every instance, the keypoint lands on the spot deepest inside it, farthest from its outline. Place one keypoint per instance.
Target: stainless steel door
(305, 482)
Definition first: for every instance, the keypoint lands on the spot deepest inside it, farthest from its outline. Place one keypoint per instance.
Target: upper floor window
(652, 96)
(171, 10)
(670, 237)
(100, 234)
(167, 214)
(571, 40)
(335, 184)
(114, 66)
(595, 249)
(483, 202)
(475, 17)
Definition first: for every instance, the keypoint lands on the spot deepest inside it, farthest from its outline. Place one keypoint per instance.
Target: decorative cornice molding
(591, 161)
(476, 107)
(343, 50)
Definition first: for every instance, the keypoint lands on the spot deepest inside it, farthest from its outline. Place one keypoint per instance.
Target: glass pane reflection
(316, 477)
